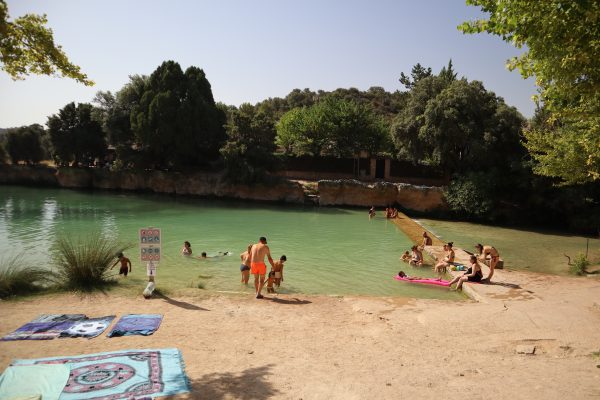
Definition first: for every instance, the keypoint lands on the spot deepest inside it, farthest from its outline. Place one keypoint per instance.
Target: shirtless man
(257, 264)
(484, 251)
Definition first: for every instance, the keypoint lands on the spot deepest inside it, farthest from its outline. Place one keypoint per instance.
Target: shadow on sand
(295, 301)
(177, 303)
(245, 385)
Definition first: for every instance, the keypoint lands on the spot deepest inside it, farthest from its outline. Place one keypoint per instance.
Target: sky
(252, 50)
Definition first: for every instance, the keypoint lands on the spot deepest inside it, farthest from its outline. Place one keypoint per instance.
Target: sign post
(150, 252)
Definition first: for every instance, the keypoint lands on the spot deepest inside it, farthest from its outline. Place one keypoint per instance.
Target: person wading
(257, 264)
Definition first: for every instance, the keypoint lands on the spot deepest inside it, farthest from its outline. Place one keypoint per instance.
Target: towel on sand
(28, 381)
(89, 328)
(125, 374)
(136, 324)
(44, 327)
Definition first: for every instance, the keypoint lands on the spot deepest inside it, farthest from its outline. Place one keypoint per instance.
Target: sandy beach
(314, 347)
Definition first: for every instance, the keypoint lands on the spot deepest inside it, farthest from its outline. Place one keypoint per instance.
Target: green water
(520, 249)
(329, 250)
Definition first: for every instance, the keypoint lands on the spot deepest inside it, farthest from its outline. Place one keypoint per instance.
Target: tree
(563, 53)
(248, 152)
(176, 122)
(25, 144)
(468, 128)
(75, 136)
(417, 73)
(406, 127)
(27, 46)
(333, 127)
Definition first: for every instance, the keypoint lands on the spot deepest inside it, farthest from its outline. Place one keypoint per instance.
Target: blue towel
(136, 324)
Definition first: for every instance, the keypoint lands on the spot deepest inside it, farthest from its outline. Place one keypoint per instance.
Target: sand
(314, 347)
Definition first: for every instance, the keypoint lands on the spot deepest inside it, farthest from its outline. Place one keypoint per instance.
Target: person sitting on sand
(426, 239)
(245, 267)
(124, 263)
(186, 250)
(278, 270)
(448, 258)
(405, 257)
(484, 251)
(416, 257)
(473, 274)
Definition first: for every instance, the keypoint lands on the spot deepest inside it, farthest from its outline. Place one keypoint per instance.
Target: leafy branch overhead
(27, 47)
(562, 41)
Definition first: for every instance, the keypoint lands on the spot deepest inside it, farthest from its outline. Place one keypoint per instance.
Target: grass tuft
(580, 265)
(84, 263)
(18, 277)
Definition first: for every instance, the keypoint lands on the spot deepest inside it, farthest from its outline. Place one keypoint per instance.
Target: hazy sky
(252, 50)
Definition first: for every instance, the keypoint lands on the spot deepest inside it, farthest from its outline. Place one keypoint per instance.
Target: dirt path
(312, 347)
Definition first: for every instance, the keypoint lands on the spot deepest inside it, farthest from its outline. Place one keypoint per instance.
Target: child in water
(124, 263)
(401, 274)
(405, 257)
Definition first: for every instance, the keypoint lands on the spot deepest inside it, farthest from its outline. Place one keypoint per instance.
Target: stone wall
(381, 194)
(196, 184)
(330, 192)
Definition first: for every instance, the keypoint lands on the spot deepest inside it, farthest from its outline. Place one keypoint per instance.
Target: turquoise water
(330, 251)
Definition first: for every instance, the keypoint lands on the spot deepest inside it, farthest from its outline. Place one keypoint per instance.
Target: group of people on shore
(253, 262)
(473, 273)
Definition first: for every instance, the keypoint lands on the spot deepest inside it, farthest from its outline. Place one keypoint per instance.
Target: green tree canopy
(75, 136)
(563, 54)
(248, 152)
(334, 127)
(27, 47)
(25, 144)
(176, 121)
(457, 125)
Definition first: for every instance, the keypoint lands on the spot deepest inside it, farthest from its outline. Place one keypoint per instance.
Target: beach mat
(136, 324)
(126, 374)
(28, 381)
(88, 328)
(45, 327)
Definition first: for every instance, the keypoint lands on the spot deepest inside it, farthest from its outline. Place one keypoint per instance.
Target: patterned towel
(89, 328)
(136, 324)
(46, 326)
(127, 374)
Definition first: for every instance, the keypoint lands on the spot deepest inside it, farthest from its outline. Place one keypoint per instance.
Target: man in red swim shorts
(257, 264)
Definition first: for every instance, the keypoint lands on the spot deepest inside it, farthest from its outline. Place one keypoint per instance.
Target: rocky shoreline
(346, 192)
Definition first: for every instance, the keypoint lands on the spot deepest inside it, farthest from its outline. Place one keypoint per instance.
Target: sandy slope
(306, 347)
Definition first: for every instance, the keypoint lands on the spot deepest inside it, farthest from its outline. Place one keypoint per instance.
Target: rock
(526, 349)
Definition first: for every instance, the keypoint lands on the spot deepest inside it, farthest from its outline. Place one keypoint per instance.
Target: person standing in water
(124, 264)
(257, 264)
(186, 250)
(245, 266)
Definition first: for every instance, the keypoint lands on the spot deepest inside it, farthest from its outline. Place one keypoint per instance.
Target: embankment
(205, 184)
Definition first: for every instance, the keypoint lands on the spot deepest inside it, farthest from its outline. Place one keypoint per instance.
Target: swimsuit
(477, 278)
(244, 268)
(124, 270)
(258, 268)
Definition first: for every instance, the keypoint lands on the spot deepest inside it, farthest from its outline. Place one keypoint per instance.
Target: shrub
(580, 265)
(19, 277)
(84, 263)
(469, 195)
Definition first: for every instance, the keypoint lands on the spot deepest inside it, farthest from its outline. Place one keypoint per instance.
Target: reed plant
(18, 276)
(84, 263)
